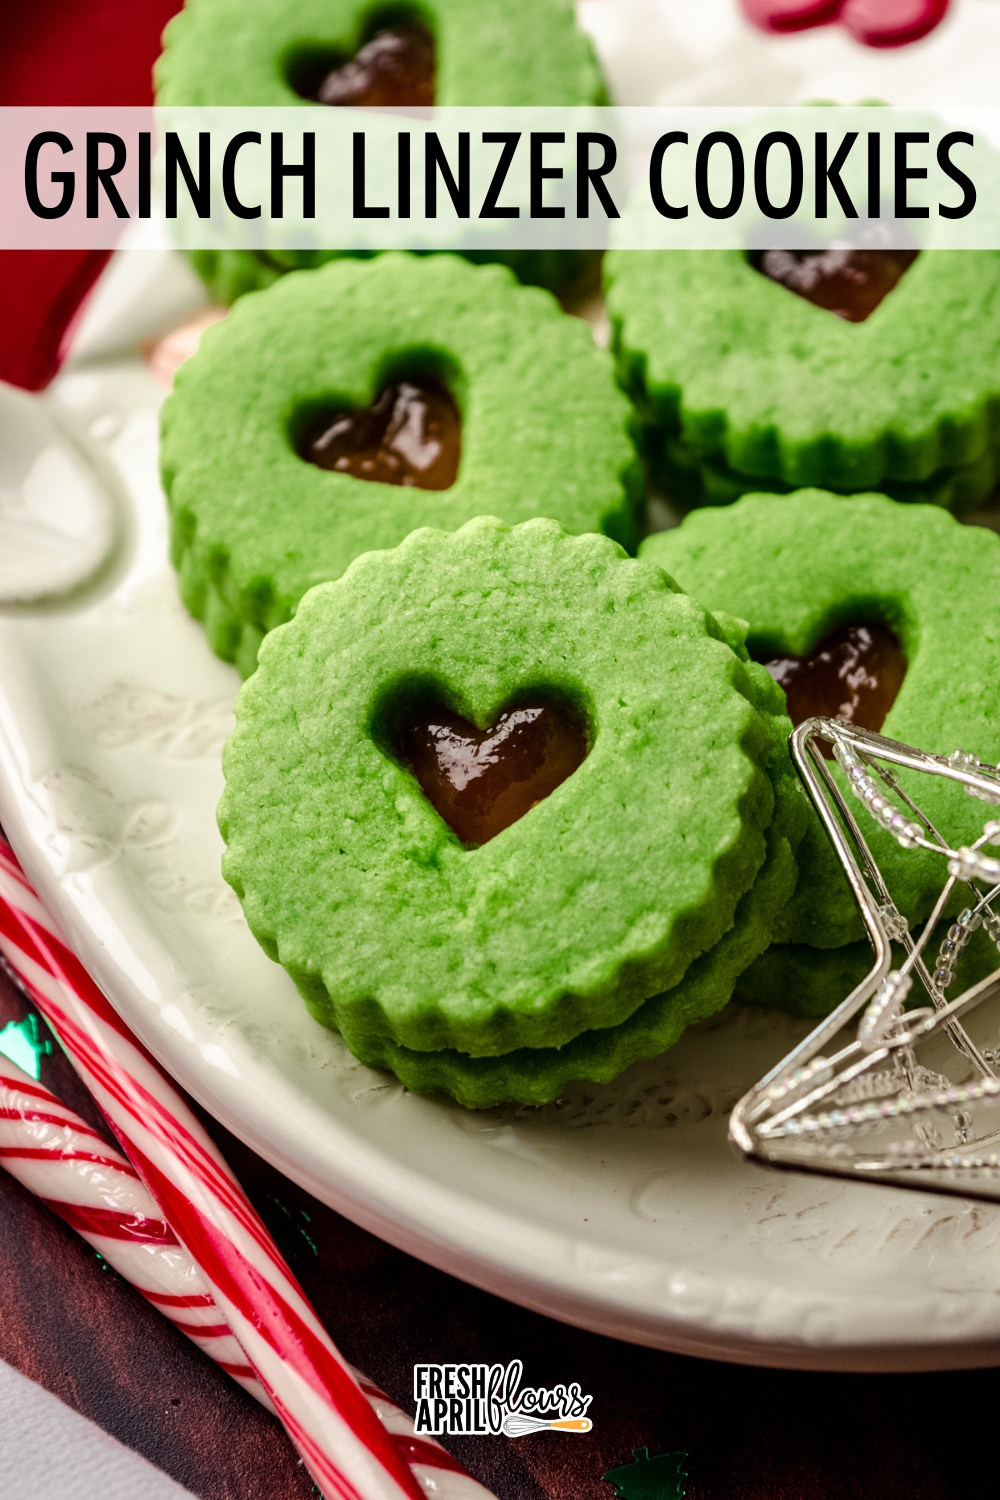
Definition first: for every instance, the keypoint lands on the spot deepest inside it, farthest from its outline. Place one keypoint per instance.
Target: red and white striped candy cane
(440, 1475)
(344, 1446)
(90, 1185)
(58, 1157)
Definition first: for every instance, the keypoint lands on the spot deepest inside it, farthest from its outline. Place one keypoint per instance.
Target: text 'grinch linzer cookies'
(852, 370)
(344, 407)
(885, 614)
(494, 789)
(348, 53)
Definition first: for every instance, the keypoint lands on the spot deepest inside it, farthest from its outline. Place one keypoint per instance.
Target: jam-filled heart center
(411, 435)
(395, 69)
(483, 780)
(850, 282)
(854, 674)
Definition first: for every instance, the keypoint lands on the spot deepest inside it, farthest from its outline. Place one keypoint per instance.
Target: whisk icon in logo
(487, 1400)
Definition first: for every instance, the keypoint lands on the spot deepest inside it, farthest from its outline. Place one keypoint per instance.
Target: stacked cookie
(340, 52)
(852, 369)
(508, 409)
(535, 809)
(746, 379)
(806, 570)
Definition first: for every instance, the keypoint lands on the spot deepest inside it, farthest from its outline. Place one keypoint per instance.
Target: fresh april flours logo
(487, 1400)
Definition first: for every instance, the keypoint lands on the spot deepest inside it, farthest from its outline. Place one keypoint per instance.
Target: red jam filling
(482, 780)
(854, 674)
(395, 70)
(850, 283)
(410, 435)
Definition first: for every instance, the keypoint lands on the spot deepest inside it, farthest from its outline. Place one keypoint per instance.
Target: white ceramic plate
(622, 1209)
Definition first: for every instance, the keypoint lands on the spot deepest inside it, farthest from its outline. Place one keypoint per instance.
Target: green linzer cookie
(742, 384)
(366, 726)
(803, 566)
(448, 52)
(502, 386)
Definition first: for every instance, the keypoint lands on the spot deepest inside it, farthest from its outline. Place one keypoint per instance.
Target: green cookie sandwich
(314, 52)
(651, 862)
(743, 385)
(511, 410)
(801, 568)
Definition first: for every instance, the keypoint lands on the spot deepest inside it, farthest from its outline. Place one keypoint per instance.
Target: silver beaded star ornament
(878, 1091)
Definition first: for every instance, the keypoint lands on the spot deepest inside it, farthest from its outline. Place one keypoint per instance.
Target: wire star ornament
(884, 1090)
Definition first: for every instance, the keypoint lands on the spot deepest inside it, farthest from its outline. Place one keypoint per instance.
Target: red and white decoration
(178, 1225)
(90, 1185)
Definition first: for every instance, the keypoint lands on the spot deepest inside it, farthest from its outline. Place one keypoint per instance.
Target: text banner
(479, 180)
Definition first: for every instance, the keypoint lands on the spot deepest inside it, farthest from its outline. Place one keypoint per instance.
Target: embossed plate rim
(615, 1276)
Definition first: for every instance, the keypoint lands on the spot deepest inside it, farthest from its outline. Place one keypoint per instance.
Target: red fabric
(65, 52)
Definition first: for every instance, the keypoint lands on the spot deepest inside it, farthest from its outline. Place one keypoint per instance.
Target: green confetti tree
(650, 1478)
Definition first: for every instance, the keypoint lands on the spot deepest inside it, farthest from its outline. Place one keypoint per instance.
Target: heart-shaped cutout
(410, 435)
(483, 780)
(847, 280)
(855, 673)
(394, 69)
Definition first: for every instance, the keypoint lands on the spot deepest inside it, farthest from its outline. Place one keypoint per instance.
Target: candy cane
(90, 1185)
(346, 1449)
(58, 1157)
(434, 1469)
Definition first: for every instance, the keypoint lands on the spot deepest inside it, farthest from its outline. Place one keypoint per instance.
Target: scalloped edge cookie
(797, 566)
(545, 431)
(755, 381)
(602, 895)
(525, 52)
